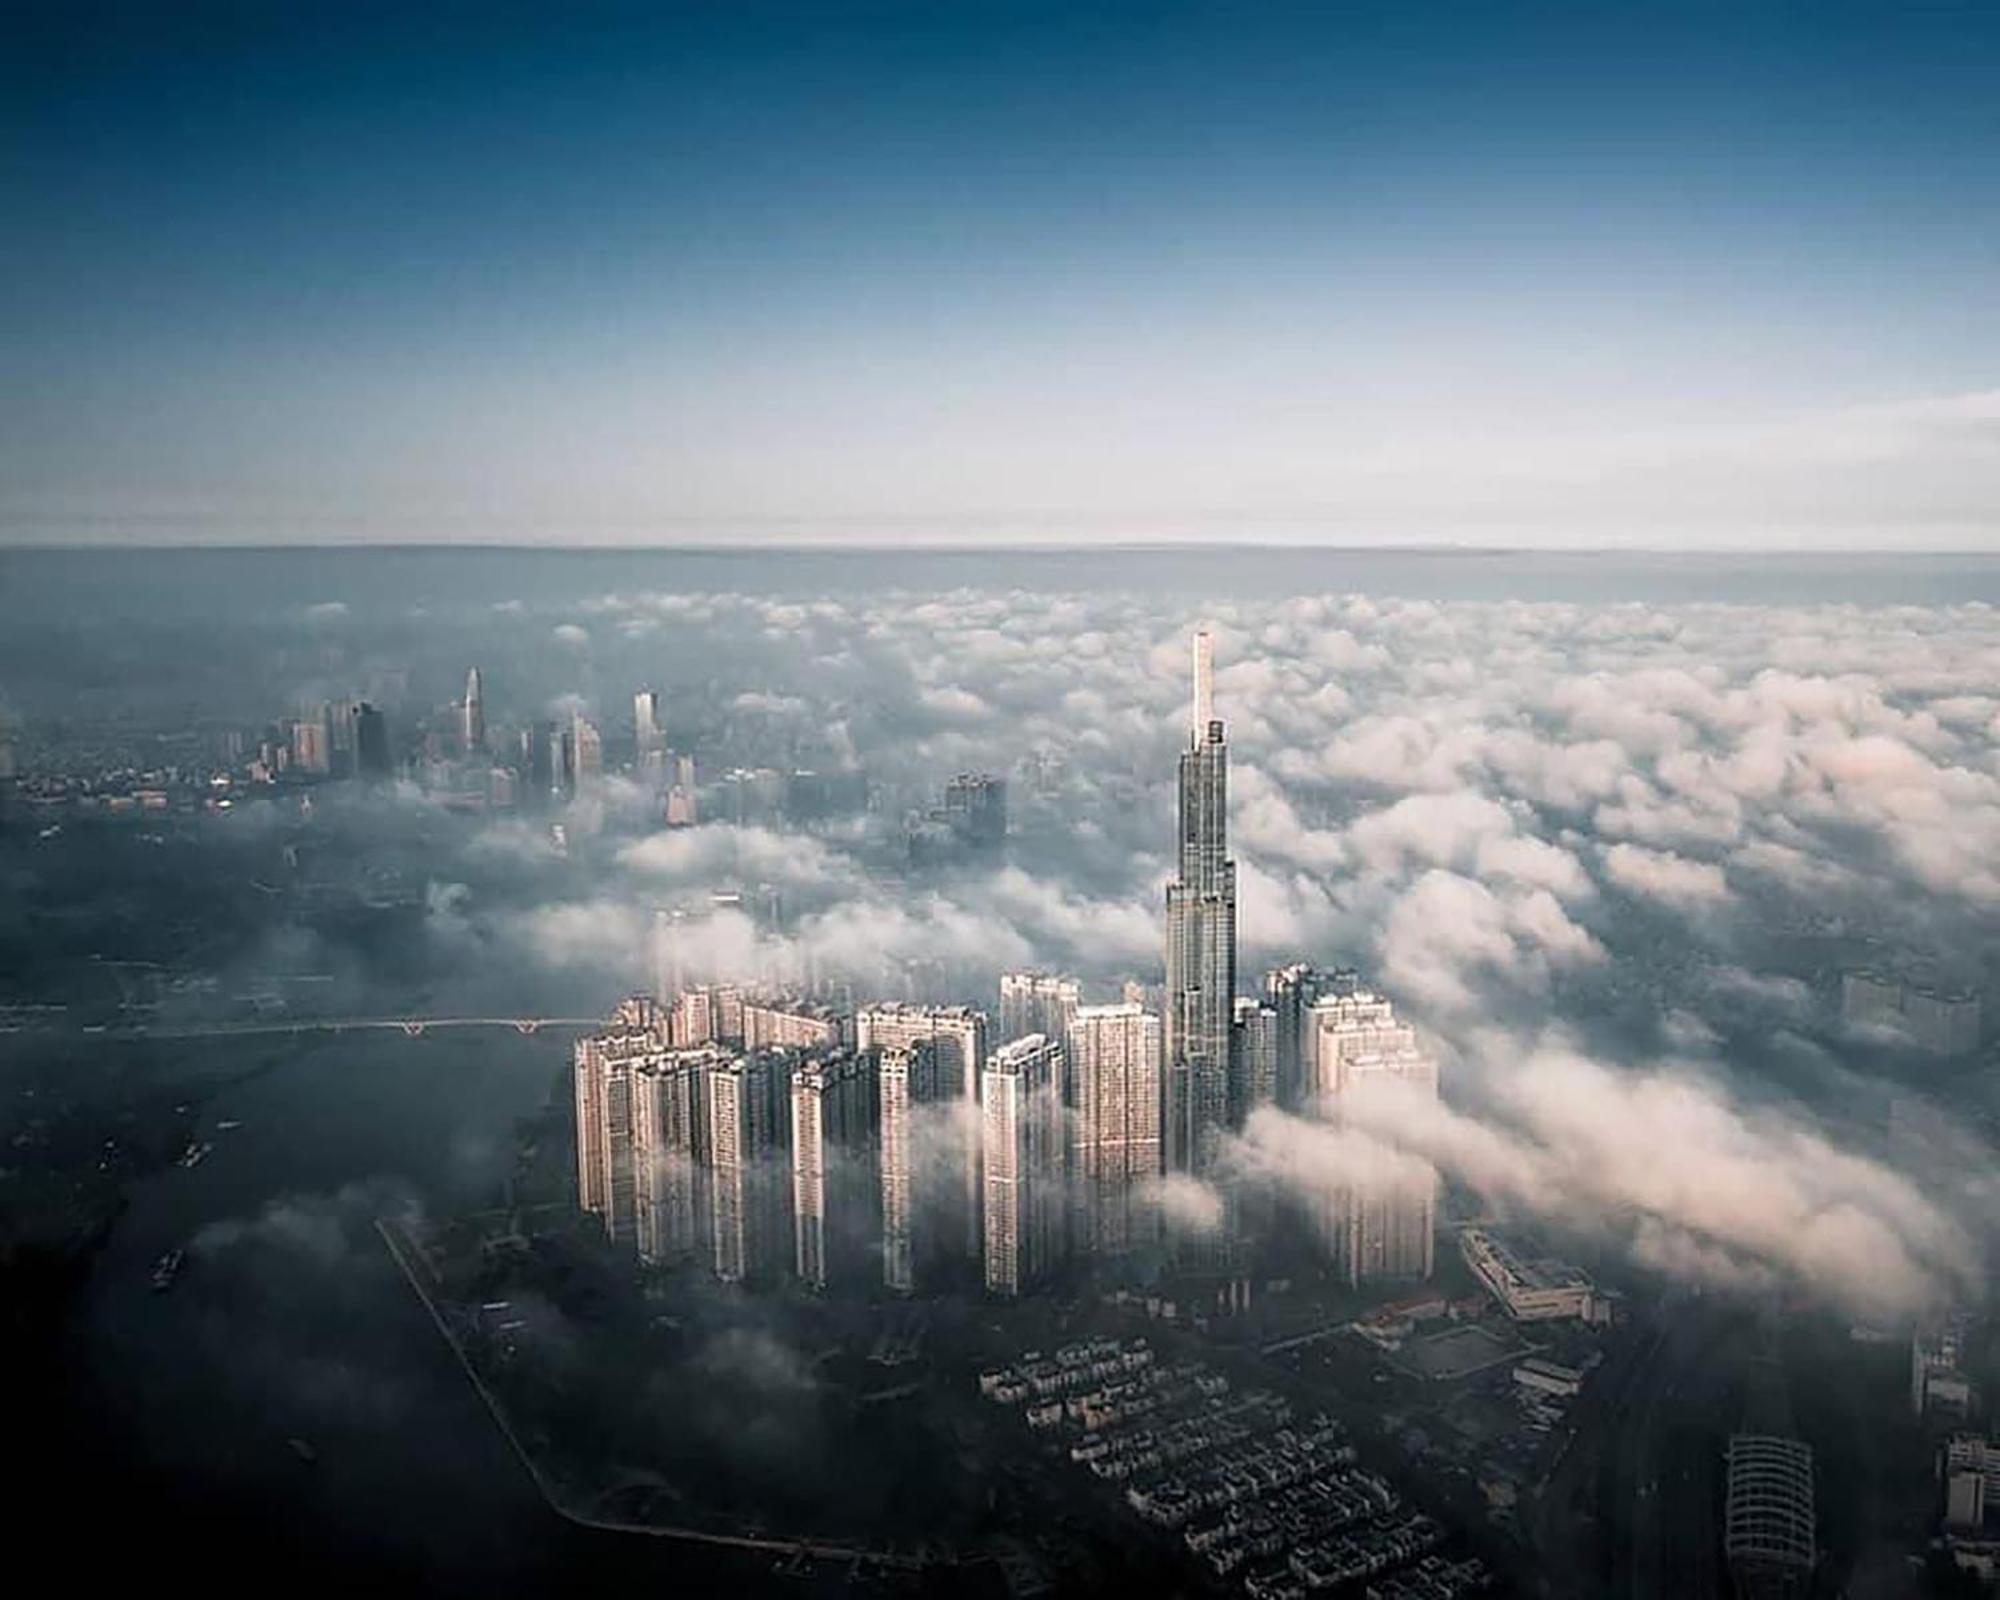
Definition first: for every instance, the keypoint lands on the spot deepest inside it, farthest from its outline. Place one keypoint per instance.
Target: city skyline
(1083, 1112)
(1003, 798)
(782, 1166)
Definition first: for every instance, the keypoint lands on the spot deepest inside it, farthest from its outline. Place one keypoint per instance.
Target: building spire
(1204, 695)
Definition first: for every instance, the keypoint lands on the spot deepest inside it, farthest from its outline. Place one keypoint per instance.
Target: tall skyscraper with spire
(1201, 939)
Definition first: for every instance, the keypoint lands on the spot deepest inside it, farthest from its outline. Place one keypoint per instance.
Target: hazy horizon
(1552, 277)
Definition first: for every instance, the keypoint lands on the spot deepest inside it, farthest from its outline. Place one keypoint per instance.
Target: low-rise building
(1540, 1376)
(1530, 1289)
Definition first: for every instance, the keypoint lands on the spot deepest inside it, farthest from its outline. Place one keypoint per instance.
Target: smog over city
(834, 800)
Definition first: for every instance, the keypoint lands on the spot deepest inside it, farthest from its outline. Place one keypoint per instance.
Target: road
(1664, 1484)
(1631, 1505)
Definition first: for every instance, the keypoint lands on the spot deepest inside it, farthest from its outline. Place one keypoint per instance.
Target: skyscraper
(311, 750)
(706, 1013)
(682, 808)
(1380, 1218)
(340, 717)
(371, 742)
(749, 1128)
(537, 760)
(1291, 992)
(1022, 1162)
(474, 730)
(669, 1133)
(1200, 940)
(1036, 1002)
(957, 1035)
(562, 763)
(1253, 1059)
(836, 1186)
(975, 810)
(789, 1022)
(606, 1066)
(586, 756)
(1113, 1099)
(1340, 1026)
(918, 1193)
(646, 732)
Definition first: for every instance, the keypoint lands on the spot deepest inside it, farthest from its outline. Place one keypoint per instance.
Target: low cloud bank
(1659, 1157)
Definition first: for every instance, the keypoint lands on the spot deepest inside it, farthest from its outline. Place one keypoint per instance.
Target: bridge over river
(411, 1027)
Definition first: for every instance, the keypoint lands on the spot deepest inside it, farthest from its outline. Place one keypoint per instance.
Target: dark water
(291, 1320)
(165, 585)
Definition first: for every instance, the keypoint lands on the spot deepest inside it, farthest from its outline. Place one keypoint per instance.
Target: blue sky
(1404, 273)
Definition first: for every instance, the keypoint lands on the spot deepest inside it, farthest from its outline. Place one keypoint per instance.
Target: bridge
(410, 1027)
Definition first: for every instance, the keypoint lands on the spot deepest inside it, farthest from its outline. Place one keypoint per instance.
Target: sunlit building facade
(1112, 1095)
(1379, 1216)
(957, 1036)
(1200, 941)
(836, 1185)
(748, 1132)
(669, 1151)
(1021, 1125)
(1036, 1002)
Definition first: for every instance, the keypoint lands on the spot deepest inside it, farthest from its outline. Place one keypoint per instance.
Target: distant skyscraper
(784, 1022)
(1291, 992)
(710, 1013)
(340, 719)
(1021, 1124)
(1944, 1022)
(975, 810)
(647, 734)
(371, 742)
(537, 761)
(310, 749)
(587, 756)
(562, 763)
(836, 1184)
(474, 729)
(1113, 1100)
(1200, 940)
(1036, 1002)
(682, 809)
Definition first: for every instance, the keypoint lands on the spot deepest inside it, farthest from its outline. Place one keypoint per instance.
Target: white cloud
(1697, 1183)
(1662, 875)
